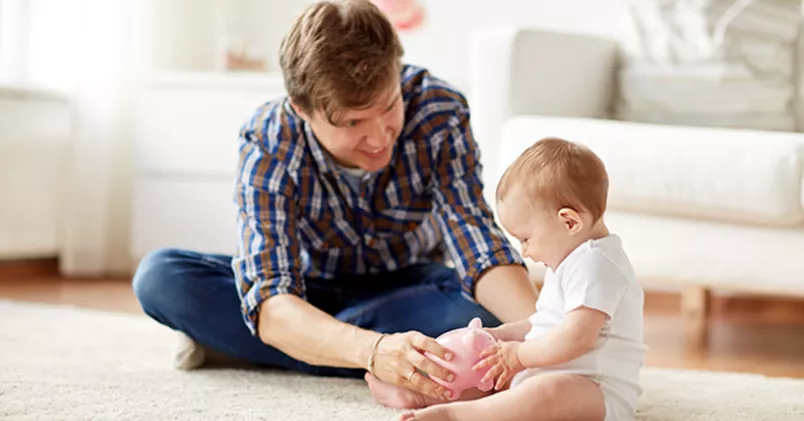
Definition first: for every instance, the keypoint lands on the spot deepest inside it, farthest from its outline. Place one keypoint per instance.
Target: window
(13, 40)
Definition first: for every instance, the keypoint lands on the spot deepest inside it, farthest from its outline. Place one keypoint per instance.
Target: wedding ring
(410, 376)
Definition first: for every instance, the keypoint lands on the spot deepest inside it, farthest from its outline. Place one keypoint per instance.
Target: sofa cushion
(725, 174)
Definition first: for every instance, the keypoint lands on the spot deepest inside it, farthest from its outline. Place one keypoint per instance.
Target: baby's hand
(503, 358)
(493, 332)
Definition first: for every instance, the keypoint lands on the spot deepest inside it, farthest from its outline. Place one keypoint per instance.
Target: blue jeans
(195, 293)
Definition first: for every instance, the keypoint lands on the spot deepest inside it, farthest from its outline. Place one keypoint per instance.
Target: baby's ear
(571, 219)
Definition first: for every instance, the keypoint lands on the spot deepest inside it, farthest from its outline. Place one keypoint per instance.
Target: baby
(580, 354)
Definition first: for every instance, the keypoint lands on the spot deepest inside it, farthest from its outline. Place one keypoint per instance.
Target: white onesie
(597, 275)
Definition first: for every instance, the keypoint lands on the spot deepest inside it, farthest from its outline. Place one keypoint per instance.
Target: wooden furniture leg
(694, 310)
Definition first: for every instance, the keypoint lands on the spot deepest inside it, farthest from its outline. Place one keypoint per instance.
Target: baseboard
(29, 268)
(731, 305)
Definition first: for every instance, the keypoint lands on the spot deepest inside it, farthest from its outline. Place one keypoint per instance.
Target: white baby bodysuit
(598, 275)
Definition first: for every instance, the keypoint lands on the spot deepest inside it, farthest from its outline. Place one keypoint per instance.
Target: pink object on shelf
(403, 14)
(466, 344)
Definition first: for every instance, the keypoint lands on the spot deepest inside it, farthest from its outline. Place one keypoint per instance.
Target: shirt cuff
(253, 299)
(501, 257)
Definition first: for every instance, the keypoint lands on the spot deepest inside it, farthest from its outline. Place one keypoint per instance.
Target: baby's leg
(545, 397)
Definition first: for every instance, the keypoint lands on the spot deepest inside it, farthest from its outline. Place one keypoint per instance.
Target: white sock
(188, 353)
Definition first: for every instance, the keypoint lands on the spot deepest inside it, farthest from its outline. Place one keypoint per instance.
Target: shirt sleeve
(268, 261)
(593, 281)
(474, 241)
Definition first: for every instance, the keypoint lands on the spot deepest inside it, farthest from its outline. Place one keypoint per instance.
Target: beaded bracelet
(373, 353)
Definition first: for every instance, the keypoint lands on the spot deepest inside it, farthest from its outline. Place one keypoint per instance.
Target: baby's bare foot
(433, 413)
(392, 396)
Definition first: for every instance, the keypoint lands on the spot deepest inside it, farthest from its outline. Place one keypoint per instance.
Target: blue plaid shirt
(298, 218)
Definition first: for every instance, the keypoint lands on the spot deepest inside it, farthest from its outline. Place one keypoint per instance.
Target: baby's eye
(351, 123)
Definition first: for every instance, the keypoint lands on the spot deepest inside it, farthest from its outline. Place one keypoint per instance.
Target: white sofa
(698, 209)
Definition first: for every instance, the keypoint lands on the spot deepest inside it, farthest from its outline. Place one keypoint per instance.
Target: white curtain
(97, 52)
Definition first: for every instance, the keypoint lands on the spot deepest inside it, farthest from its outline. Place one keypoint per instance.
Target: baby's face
(542, 234)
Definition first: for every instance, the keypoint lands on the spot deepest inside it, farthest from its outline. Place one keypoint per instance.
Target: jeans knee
(456, 313)
(152, 275)
(469, 309)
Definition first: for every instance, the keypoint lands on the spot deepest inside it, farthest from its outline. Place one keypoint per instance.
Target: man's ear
(571, 219)
(299, 110)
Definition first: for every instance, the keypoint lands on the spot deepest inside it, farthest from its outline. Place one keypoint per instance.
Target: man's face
(362, 138)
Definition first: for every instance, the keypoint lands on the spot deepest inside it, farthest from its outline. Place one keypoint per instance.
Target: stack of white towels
(722, 63)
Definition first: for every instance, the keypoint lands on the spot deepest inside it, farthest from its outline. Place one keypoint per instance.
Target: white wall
(268, 20)
(187, 30)
(188, 33)
(442, 43)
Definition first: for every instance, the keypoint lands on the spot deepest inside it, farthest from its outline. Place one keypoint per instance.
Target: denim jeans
(195, 293)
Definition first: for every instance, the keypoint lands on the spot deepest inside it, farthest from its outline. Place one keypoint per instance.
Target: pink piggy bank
(466, 345)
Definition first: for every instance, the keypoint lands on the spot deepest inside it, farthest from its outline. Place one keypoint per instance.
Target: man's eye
(351, 123)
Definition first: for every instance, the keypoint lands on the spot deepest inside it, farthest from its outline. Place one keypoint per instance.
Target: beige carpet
(62, 363)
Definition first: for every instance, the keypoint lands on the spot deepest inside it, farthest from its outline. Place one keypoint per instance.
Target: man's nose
(380, 135)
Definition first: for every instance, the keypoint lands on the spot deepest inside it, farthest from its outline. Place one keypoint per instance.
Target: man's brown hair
(561, 174)
(340, 55)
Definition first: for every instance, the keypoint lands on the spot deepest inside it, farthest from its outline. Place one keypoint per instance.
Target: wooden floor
(755, 335)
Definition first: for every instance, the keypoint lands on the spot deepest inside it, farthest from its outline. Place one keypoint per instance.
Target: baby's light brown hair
(561, 174)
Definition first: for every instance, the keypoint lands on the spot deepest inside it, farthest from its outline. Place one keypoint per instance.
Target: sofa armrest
(518, 71)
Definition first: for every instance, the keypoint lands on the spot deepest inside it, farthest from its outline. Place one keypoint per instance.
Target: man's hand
(503, 358)
(306, 333)
(400, 358)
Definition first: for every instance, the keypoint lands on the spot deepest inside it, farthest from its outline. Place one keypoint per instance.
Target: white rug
(62, 363)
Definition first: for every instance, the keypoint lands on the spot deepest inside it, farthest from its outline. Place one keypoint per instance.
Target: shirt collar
(322, 158)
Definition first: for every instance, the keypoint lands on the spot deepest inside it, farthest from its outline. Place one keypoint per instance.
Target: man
(350, 191)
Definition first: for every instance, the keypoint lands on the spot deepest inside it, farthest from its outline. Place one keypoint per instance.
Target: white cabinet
(186, 158)
(35, 141)
(188, 212)
(190, 116)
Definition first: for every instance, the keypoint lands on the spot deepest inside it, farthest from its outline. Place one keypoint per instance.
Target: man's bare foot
(393, 396)
(407, 416)
(433, 413)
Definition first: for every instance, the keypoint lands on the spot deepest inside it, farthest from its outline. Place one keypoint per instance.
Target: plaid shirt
(299, 218)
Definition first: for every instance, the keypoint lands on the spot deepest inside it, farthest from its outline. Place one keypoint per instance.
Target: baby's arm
(514, 331)
(576, 336)
(593, 288)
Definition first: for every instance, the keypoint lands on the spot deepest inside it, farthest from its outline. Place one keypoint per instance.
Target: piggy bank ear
(476, 323)
(473, 340)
